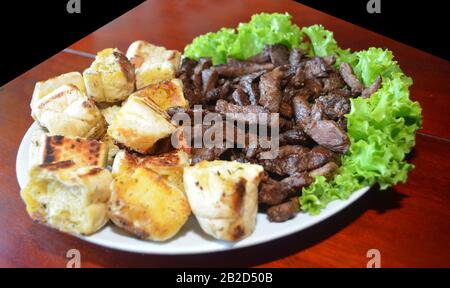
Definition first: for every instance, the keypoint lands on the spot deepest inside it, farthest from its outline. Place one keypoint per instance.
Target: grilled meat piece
(241, 113)
(350, 78)
(319, 156)
(294, 136)
(279, 54)
(366, 93)
(326, 170)
(240, 68)
(334, 106)
(209, 79)
(284, 211)
(239, 97)
(208, 154)
(296, 56)
(302, 110)
(217, 93)
(273, 192)
(329, 134)
(316, 67)
(333, 82)
(249, 85)
(270, 90)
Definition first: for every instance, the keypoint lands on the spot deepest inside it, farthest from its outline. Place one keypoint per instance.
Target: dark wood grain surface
(409, 223)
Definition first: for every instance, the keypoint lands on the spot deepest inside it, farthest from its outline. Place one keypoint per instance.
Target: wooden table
(409, 224)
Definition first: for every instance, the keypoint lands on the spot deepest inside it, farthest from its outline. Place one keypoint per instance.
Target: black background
(421, 24)
(32, 31)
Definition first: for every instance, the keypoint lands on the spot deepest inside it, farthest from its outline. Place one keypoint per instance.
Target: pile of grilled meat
(311, 97)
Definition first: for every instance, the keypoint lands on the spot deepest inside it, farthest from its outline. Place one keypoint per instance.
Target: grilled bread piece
(166, 94)
(109, 113)
(168, 165)
(70, 199)
(110, 78)
(139, 124)
(56, 148)
(68, 111)
(152, 63)
(42, 88)
(111, 147)
(147, 197)
(223, 196)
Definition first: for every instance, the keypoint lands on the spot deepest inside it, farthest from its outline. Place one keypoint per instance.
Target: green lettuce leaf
(381, 131)
(373, 62)
(214, 45)
(248, 40)
(265, 29)
(322, 44)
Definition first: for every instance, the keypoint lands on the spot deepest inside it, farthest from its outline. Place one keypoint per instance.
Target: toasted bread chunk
(43, 88)
(110, 78)
(146, 205)
(56, 148)
(223, 196)
(168, 165)
(152, 63)
(139, 124)
(110, 112)
(166, 94)
(112, 148)
(67, 198)
(68, 111)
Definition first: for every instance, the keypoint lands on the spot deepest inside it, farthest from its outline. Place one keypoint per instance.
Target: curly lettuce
(381, 131)
(249, 38)
(381, 128)
(213, 44)
(322, 43)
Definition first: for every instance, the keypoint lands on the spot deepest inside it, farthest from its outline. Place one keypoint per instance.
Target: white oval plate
(191, 239)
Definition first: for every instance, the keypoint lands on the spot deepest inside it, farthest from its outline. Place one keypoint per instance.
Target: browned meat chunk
(319, 156)
(239, 97)
(241, 113)
(316, 67)
(284, 211)
(294, 136)
(209, 79)
(350, 78)
(187, 66)
(333, 82)
(314, 86)
(334, 106)
(249, 85)
(270, 90)
(296, 56)
(294, 183)
(291, 159)
(279, 54)
(203, 63)
(366, 93)
(273, 192)
(286, 108)
(217, 93)
(208, 154)
(326, 170)
(270, 192)
(330, 60)
(329, 134)
(302, 110)
(240, 68)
